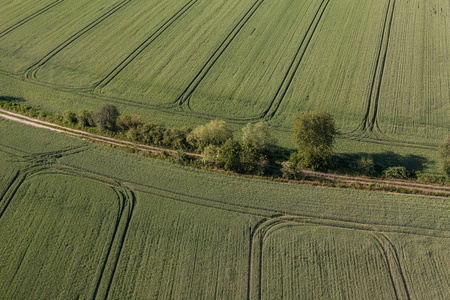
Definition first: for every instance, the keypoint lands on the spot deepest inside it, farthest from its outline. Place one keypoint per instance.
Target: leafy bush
(366, 166)
(396, 173)
(229, 155)
(444, 155)
(70, 117)
(215, 132)
(84, 118)
(431, 178)
(257, 135)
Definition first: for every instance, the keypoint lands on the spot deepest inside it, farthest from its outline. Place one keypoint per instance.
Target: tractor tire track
(369, 122)
(268, 225)
(396, 273)
(45, 163)
(192, 86)
(127, 200)
(30, 73)
(269, 113)
(11, 191)
(144, 45)
(30, 17)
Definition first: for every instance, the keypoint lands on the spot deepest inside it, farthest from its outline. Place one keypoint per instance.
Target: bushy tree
(444, 155)
(229, 155)
(249, 157)
(257, 135)
(215, 132)
(211, 155)
(398, 172)
(84, 118)
(124, 123)
(105, 116)
(69, 117)
(314, 134)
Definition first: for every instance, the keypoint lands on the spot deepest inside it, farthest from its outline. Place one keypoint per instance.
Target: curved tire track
(30, 73)
(136, 52)
(269, 224)
(369, 122)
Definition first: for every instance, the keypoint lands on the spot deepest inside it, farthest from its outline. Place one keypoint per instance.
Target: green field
(75, 225)
(80, 221)
(380, 67)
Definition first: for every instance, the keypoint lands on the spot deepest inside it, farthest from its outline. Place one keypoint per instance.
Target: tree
(314, 134)
(84, 118)
(215, 132)
(444, 155)
(257, 135)
(69, 117)
(124, 123)
(249, 157)
(229, 155)
(105, 116)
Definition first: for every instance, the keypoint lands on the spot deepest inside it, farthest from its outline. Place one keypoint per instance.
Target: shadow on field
(382, 161)
(12, 99)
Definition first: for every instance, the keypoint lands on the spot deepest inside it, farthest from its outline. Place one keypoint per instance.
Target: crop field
(380, 67)
(75, 225)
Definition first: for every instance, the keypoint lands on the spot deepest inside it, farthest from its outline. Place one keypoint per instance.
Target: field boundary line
(127, 144)
(29, 18)
(83, 134)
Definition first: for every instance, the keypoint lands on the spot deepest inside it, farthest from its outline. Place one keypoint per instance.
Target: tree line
(313, 133)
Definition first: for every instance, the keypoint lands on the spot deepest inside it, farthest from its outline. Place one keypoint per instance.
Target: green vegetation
(78, 220)
(444, 154)
(139, 228)
(314, 134)
(181, 63)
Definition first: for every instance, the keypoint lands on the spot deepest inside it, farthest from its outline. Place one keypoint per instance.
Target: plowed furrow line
(30, 17)
(292, 70)
(30, 73)
(185, 95)
(136, 52)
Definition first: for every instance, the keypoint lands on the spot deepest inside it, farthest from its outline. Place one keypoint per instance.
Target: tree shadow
(12, 99)
(349, 162)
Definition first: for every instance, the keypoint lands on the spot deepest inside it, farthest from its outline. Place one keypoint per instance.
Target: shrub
(431, 178)
(249, 157)
(444, 155)
(229, 155)
(288, 169)
(366, 166)
(215, 132)
(211, 155)
(69, 117)
(124, 123)
(257, 135)
(84, 118)
(396, 172)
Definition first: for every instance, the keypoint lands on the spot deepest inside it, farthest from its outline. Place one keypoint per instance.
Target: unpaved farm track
(423, 188)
